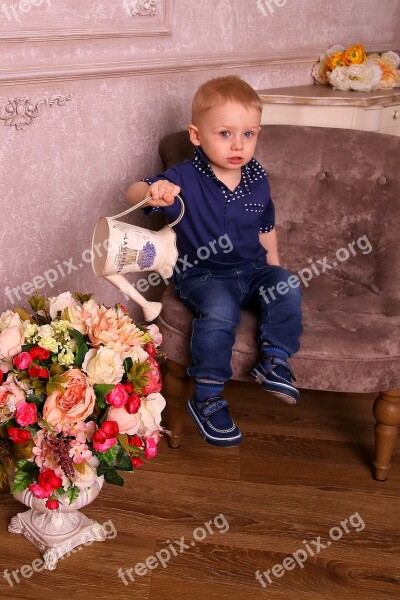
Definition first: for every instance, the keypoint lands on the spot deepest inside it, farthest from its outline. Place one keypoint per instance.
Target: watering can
(119, 248)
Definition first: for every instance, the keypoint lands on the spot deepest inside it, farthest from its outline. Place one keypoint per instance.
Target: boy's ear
(194, 135)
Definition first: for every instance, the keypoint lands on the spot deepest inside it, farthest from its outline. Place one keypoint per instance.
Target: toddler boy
(227, 196)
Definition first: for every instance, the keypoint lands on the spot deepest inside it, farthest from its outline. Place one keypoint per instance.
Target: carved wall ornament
(144, 8)
(20, 112)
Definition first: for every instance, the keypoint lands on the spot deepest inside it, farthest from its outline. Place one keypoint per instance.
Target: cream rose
(74, 314)
(87, 478)
(76, 403)
(150, 413)
(59, 303)
(12, 338)
(103, 366)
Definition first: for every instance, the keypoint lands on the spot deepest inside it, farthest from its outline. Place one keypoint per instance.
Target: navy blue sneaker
(275, 375)
(214, 421)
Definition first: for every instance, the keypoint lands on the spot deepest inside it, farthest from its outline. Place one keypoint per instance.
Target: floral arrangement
(352, 69)
(79, 396)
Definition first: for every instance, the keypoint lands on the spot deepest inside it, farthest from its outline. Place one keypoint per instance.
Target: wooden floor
(299, 472)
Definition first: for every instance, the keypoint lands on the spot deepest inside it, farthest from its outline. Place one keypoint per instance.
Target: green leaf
(137, 375)
(78, 336)
(82, 298)
(80, 355)
(128, 362)
(37, 399)
(101, 391)
(110, 456)
(123, 461)
(73, 493)
(22, 480)
(111, 476)
(37, 302)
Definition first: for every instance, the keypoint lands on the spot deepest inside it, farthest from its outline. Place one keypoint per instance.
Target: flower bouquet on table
(79, 396)
(354, 69)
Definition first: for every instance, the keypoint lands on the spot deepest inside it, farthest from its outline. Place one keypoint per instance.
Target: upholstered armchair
(337, 198)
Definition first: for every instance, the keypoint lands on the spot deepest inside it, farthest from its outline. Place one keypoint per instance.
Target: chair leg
(387, 415)
(177, 388)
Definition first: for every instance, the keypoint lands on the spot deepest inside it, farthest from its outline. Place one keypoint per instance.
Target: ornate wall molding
(172, 65)
(20, 112)
(144, 8)
(160, 12)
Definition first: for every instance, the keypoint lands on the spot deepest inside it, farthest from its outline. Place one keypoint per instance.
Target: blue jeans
(217, 297)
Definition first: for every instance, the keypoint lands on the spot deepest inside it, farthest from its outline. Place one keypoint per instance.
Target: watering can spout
(119, 248)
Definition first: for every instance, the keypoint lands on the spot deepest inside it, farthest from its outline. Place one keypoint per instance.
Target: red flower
(150, 349)
(52, 504)
(18, 436)
(135, 440)
(133, 404)
(101, 443)
(26, 414)
(118, 396)
(136, 462)
(39, 353)
(154, 383)
(150, 449)
(129, 387)
(110, 428)
(40, 491)
(49, 478)
(35, 372)
(1, 376)
(22, 360)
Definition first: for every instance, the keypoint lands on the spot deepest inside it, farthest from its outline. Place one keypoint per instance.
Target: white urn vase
(57, 532)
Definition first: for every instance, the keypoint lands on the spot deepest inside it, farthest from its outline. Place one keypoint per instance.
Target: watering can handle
(139, 204)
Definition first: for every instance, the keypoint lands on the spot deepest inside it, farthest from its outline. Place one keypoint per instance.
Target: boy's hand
(163, 193)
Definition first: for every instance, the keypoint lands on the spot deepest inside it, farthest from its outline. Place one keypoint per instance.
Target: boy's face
(228, 135)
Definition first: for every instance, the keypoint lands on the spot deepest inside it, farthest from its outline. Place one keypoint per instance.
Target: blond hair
(223, 89)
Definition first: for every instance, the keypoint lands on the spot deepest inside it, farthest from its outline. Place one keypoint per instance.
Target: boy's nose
(237, 143)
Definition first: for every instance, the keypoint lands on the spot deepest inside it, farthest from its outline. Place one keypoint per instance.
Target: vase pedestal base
(56, 533)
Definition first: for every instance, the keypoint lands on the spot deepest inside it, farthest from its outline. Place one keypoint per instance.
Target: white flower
(65, 358)
(59, 303)
(5, 319)
(339, 78)
(61, 326)
(150, 412)
(49, 343)
(392, 59)
(319, 71)
(75, 317)
(87, 478)
(45, 331)
(103, 366)
(364, 78)
(30, 330)
(136, 354)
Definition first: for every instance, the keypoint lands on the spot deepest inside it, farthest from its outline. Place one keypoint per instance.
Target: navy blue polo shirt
(213, 212)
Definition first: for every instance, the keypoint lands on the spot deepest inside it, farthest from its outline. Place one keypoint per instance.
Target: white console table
(322, 106)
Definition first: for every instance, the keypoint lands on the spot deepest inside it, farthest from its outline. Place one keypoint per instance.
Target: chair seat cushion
(342, 347)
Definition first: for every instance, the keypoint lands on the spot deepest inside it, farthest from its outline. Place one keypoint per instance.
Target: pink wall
(129, 80)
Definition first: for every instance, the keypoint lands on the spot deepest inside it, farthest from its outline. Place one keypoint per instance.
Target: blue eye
(248, 134)
(224, 133)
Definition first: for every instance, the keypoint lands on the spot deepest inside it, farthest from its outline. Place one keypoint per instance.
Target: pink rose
(22, 361)
(11, 339)
(118, 396)
(111, 327)
(155, 334)
(101, 443)
(26, 414)
(154, 384)
(76, 403)
(150, 448)
(10, 396)
(127, 423)
(40, 491)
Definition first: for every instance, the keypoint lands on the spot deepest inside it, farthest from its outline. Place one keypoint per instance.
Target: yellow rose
(337, 60)
(355, 55)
